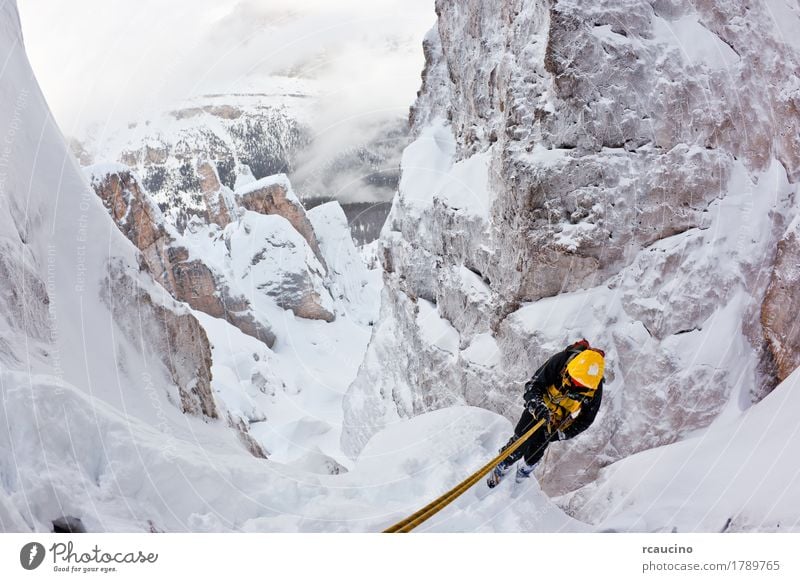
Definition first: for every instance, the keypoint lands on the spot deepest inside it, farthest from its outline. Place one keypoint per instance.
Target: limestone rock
(273, 195)
(189, 280)
(779, 312)
(619, 171)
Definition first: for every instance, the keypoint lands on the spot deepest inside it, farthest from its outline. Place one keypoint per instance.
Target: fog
(110, 61)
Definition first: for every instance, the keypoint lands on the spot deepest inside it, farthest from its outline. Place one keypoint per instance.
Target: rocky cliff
(260, 265)
(77, 308)
(620, 171)
(195, 266)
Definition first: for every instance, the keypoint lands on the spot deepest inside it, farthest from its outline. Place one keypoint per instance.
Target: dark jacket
(550, 373)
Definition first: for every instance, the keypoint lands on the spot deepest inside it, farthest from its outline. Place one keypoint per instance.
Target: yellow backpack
(585, 367)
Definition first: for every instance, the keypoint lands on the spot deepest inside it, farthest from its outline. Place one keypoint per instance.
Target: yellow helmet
(587, 368)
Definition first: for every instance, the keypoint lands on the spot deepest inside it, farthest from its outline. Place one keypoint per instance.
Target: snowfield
(66, 453)
(740, 475)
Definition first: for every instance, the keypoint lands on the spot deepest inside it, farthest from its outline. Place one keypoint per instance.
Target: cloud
(113, 60)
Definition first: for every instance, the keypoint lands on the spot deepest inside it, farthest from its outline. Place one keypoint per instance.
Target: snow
(436, 330)
(269, 258)
(606, 33)
(289, 394)
(298, 385)
(425, 163)
(356, 288)
(67, 453)
(483, 351)
(98, 172)
(244, 177)
(474, 287)
(277, 179)
(541, 155)
(696, 43)
(58, 236)
(430, 172)
(786, 17)
(577, 314)
(745, 471)
(466, 185)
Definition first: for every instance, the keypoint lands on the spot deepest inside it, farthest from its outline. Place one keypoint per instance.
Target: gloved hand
(538, 410)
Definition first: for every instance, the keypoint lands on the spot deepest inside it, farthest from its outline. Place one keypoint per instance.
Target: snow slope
(74, 302)
(119, 474)
(740, 475)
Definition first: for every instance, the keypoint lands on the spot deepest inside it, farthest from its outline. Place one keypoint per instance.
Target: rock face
(185, 156)
(275, 198)
(135, 215)
(270, 259)
(191, 281)
(77, 310)
(167, 330)
(606, 170)
(202, 277)
(257, 266)
(782, 304)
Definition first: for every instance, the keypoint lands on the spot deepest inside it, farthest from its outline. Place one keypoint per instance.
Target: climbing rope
(446, 499)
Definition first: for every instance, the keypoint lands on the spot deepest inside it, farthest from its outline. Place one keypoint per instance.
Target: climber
(566, 392)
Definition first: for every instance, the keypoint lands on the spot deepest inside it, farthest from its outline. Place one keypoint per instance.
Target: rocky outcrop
(270, 259)
(274, 196)
(79, 313)
(603, 170)
(174, 338)
(782, 304)
(214, 196)
(242, 429)
(195, 283)
(188, 280)
(185, 155)
(138, 219)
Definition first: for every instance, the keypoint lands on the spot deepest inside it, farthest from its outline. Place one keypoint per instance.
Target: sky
(116, 60)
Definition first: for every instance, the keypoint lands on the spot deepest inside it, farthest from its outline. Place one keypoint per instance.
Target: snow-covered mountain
(319, 91)
(620, 171)
(91, 331)
(183, 155)
(256, 264)
(577, 170)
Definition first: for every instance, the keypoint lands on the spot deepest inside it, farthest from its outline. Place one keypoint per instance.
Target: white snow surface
(290, 396)
(71, 454)
(355, 288)
(58, 243)
(436, 330)
(741, 475)
(431, 172)
(696, 43)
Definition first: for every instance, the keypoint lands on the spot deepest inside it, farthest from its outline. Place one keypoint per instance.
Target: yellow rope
(446, 499)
